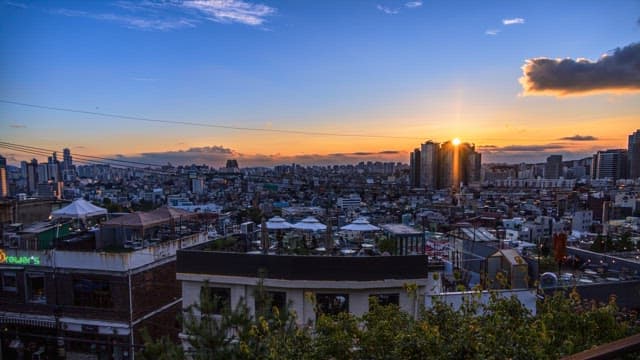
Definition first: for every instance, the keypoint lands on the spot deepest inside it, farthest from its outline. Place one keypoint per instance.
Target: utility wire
(80, 155)
(89, 159)
(208, 125)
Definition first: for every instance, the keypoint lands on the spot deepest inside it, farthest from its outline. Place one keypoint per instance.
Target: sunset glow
(285, 85)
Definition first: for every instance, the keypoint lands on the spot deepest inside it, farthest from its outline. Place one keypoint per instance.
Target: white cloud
(137, 22)
(492, 32)
(387, 10)
(15, 4)
(170, 15)
(413, 4)
(513, 21)
(230, 11)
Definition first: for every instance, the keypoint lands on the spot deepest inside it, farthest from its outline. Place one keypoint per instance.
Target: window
(9, 281)
(35, 288)
(92, 293)
(276, 299)
(386, 299)
(332, 304)
(214, 300)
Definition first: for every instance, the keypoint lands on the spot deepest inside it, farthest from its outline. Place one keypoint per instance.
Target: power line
(208, 125)
(90, 160)
(80, 155)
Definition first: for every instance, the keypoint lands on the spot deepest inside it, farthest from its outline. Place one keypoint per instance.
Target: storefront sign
(18, 260)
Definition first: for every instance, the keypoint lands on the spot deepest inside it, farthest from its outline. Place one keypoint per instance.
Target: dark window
(332, 304)
(214, 300)
(386, 299)
(9, 281)
(274, 299)
(35, 288)
(92, 293)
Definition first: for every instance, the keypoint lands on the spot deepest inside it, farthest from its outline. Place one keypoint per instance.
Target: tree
(501, 328)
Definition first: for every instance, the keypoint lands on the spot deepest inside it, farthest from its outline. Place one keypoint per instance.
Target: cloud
(217, 156)
(531, 153)
(413, 4)
(487, 147)
(13, 158)
(230, 11)
(16, 4)
(579, 138)
(171, 15)
(387, 10)
(17, 126)
(514, 21)
(492, 32)
(530, 148)
(617, 72)
(520, 148)
(134, 22)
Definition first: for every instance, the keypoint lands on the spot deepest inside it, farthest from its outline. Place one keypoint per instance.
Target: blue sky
(413, 70)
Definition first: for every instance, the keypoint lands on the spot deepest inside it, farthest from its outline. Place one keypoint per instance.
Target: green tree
(501, 328)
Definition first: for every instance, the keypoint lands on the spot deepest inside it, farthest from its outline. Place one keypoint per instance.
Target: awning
(28, 320)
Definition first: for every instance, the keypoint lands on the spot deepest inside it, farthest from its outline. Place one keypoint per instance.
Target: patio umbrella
(360, 224)
(310, 224)
(79, 209)
(278, 223)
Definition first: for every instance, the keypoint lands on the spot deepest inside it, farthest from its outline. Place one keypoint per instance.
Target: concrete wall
(456, 299)
(300, 293)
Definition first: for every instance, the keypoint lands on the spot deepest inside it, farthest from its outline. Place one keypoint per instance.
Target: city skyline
(395, 73)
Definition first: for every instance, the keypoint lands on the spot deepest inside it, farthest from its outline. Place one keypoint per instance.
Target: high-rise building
(197, 185)
(429, 163)
(32, 176)
(610, 164)
(232, 164)
(634, 155)
(553, 167)
(67, 170)
(67, 160)
(447, 165)
(4, 186)
(458, 164)
(414, 168)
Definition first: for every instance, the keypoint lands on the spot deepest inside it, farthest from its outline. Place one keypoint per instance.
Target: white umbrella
(79, 209)
(310, 223)
(278, 223)
(360, 225)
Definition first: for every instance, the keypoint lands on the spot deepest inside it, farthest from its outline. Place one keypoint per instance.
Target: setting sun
(455, 141)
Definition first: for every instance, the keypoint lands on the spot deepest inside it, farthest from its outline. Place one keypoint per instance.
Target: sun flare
(455, 141)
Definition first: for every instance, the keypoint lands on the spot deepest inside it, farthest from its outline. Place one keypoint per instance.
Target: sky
(322, 82)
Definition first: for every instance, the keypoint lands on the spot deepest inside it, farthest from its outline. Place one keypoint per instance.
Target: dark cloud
(530, 148)
(12, 158)
(534, 153)
(17, 126)
(579, 138)
(218, 155)
(616, 72)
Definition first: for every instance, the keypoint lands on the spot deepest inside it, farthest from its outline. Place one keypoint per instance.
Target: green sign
(18, 260)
